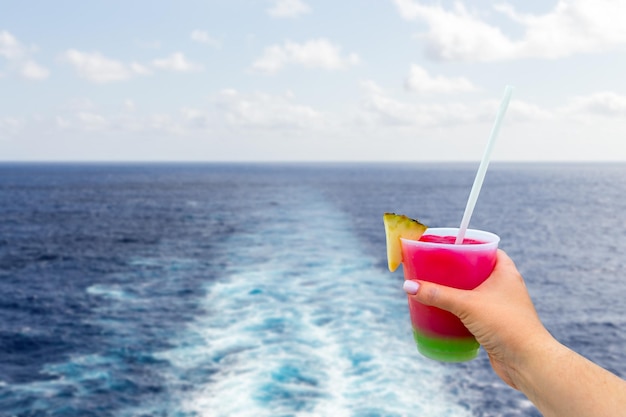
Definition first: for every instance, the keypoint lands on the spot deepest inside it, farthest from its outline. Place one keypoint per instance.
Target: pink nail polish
(411, 287)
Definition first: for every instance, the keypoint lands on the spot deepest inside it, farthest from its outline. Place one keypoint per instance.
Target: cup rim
(490, 239)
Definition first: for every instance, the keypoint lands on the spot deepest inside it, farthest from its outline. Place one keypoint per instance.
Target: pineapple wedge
(399, 226)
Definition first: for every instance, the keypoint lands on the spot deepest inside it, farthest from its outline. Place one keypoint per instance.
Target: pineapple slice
(399, 226)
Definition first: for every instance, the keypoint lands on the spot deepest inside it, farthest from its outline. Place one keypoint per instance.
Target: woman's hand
(502, 317)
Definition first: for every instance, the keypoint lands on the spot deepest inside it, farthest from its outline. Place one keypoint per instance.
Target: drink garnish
(399, 226)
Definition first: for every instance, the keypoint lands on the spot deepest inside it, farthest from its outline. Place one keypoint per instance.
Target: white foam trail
(303, 324)
(109, 291)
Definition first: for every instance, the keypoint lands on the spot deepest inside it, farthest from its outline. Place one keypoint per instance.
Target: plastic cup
(439, 334)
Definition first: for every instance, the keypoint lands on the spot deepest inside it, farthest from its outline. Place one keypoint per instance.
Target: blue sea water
(262, 289)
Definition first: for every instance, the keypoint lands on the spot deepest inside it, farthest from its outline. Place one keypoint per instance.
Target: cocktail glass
(439, 334)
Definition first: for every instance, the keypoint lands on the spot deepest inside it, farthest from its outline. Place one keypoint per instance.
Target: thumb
(435, 295)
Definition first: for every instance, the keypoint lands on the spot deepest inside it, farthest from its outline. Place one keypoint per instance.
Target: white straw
(484, 164)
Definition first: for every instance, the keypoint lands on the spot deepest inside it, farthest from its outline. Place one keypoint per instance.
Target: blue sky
(300, 80)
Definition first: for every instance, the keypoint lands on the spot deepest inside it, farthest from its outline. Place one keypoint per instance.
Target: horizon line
(293, 162)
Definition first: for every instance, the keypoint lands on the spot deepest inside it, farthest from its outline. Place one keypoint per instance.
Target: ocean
(182, 290)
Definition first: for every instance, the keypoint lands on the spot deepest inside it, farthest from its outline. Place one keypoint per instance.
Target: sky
(308, 80)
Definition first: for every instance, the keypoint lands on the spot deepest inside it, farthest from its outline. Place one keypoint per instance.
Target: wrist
(536, 364)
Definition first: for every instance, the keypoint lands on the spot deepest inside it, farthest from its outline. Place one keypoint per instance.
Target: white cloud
(95, 67)
(19, 58)
(382, 109)
(177, 62)
(318, 53)
(521, 111)
(77, 104)
(606, 104)
(10, 125)
(92, 121)
(573, 26)
(161, 123)
(232, 110)
(10, 48)
(379, 107)
(139, 69)
(34, 71)
(62, 122)
(260, 110)
(420, 81)
(201, 36)
(193, 118)
(456, 34)
(112, 124)
(129, 105)
(288, 8)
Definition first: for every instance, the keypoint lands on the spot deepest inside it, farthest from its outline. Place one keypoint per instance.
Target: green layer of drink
(446, 349)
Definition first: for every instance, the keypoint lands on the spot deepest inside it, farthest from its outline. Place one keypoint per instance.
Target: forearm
(562, 383)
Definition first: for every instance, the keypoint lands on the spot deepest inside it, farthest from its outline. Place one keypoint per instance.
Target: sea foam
(303, 324)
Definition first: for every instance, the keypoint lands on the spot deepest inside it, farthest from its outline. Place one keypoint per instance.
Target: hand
(499, 313)
(501, 316)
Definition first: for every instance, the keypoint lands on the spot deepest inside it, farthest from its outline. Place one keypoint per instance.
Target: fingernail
(411, 287)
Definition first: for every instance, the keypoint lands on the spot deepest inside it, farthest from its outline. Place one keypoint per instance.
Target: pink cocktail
(439, 334)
